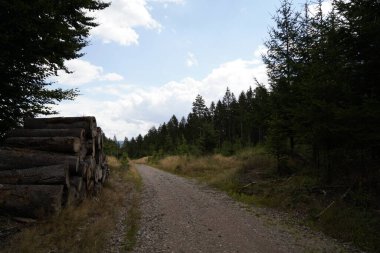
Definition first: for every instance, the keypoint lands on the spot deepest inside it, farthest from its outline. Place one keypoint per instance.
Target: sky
(149, 59)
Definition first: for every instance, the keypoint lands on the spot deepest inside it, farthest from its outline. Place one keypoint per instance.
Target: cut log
(104, 175)
(90, 173)
(87, 123)
(53, 144)
(24, 159)
(32, 201)
(82, 169)
(74, 132)
(99, 137)
(90, 146)
(53, 174)
(76, 182)
(98, 173)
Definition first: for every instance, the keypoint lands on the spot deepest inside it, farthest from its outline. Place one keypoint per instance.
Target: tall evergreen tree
(281, 61)
(36, 37)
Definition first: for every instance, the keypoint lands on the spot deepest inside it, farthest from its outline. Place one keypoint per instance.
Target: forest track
(181, 215)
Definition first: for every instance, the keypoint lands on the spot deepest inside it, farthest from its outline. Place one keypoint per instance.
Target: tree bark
(91, 166)
(47, 175)
(88, 123)
(73, 132)
(90, 146)
(98, 173)
(77, 182)
(24, 159)
(53, 144)
(33, 201)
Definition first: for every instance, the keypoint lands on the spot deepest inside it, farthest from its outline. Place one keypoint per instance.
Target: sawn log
(87, 123)
(69, 145)
(33, 201)
(24, 159)
(46, 175)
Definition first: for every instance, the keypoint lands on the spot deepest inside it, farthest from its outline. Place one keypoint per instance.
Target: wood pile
(49, 164)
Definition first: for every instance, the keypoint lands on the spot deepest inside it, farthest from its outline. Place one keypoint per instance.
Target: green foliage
(111, 147)
(124, 160)
(36, 37)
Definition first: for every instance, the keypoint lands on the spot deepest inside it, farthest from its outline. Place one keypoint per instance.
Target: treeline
(223, 127)
(322, 106)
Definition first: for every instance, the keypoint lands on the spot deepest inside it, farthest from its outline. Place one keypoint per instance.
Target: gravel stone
(182, 215)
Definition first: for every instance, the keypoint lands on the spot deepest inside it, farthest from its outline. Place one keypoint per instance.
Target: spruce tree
(36, 37)
(281, 61)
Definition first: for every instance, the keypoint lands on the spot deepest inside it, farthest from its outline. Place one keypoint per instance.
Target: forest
(321, 107)
(316, 122)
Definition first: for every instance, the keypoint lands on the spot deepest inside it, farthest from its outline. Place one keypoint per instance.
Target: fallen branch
(245, 186)
(333, 203)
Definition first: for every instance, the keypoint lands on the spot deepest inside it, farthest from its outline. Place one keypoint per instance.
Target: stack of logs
(49, 164)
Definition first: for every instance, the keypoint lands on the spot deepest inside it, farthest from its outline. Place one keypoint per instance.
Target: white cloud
(326, 7)
(260, 51)
(117, 23)
(191, 60)
(84, 72)
(112, 77)
(169, 1)
(128, 110)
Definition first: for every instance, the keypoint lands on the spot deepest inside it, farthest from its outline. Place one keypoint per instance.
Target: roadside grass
(216, 170)
(142, 160)
(250, 177)
(134, 214)
(87, 227)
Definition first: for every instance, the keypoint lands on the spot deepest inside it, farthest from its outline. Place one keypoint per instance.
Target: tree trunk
(54, 174)
(24, 159)
(73, 132)
(88, 123)
(53, 144)
(34, 201)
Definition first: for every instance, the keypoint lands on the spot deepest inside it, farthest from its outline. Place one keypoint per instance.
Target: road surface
(181, 215)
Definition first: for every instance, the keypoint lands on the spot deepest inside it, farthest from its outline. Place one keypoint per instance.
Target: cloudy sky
(148, 59)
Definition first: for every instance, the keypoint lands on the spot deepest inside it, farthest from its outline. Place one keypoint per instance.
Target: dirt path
(180, 215)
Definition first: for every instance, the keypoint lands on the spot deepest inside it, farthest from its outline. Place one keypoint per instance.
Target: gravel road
(181, 215)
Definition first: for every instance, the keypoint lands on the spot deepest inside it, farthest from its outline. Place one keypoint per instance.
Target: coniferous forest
(307, 142)
(322, 104)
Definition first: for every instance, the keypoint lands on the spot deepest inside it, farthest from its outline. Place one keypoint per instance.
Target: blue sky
(148, 59)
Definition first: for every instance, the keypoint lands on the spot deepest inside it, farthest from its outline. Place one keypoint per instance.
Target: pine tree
(281, 62)
(36, 37)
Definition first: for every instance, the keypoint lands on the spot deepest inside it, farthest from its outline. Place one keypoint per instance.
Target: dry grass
(216, 170)
(134, 214)
(85, 228)
(143, 160)
(113, 162)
